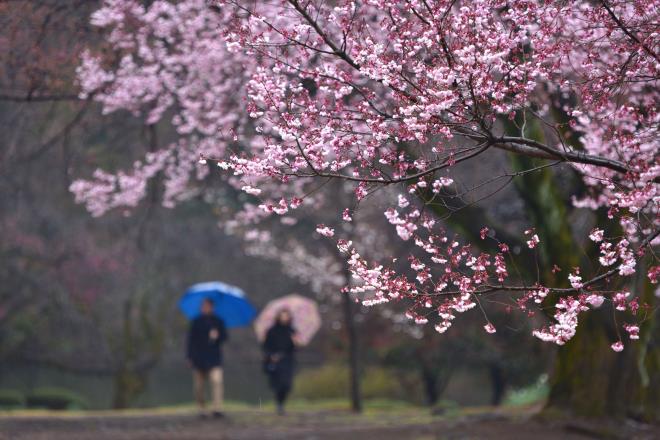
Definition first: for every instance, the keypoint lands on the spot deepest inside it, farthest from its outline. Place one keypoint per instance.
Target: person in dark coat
(279, 362)
(204, 352)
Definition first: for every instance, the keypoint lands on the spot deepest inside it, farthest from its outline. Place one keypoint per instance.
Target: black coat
(278, 355)
(206, 335)
(279, 340)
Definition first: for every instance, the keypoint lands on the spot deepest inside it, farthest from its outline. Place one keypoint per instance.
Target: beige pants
(214, 375)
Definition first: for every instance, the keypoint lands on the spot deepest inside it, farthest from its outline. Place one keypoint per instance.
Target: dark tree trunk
(353, 360)
(430, 381)
(128, 381)
(128, 385)
(592, 380)
(498, 382)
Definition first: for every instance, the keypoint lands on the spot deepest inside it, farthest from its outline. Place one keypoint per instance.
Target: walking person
(204, 352)
(279, 362)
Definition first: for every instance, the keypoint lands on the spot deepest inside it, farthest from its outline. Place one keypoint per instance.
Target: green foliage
(331, 382)
(10, 399)
(327, 382)
(533, 393)
(381, 383)
(55, 398)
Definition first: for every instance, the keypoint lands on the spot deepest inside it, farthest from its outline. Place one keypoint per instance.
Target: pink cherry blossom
(619, 300)
(346, 215)
(654, 274)
(595, 300)
(325, 231)
(596, 235)
(566, 321)
(576, 280)
(279, 98)
(533, 239)
(633, 330)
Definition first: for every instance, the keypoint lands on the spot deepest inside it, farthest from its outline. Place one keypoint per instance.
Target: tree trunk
(120, 397)
(592, 380)
(353, 361)
(589, 378)
(498, 382)
(128, 382)
(430, 381)
(128, 385)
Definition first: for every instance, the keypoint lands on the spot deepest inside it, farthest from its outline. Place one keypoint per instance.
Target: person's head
(284, 317)
(207, 306)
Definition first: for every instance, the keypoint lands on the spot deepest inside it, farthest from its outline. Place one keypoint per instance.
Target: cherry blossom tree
(282, 97)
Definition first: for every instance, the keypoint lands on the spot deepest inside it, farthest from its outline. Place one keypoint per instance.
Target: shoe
(280, 410)
(218, 415)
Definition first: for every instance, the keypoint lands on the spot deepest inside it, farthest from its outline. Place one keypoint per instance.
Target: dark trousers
(281, 379)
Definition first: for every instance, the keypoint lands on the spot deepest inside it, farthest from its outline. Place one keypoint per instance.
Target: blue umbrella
(230, 303)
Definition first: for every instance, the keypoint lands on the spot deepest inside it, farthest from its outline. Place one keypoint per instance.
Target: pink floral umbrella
(306, 319)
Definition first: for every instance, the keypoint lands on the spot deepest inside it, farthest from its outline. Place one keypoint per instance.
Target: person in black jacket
(279, 348)
(204, 352)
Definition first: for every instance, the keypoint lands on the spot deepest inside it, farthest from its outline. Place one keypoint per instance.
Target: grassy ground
(381, 420)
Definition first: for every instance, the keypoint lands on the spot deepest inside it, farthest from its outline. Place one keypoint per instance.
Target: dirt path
(309, 426)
